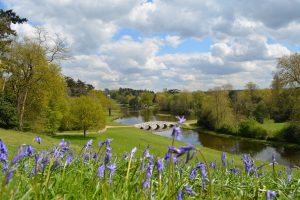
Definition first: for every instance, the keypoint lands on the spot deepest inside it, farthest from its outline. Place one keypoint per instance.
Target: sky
(184, 44)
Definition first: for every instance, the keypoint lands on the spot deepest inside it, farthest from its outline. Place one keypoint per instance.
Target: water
(257, 150)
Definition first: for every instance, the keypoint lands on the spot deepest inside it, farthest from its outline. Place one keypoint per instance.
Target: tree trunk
(109, 111)
(84, 132)
(21, 109)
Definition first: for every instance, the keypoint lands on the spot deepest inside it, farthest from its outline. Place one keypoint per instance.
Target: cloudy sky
(184, 44)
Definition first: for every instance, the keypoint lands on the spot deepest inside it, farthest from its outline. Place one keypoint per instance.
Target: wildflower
(180, 195)
(212, 165)
(193, 173)
(125, 156)
(101, 171)
(160, 165)
(107, 155)
(149, 171)
(248, 162)
(9, 176)
(112, 168)
(88, 144)
(190, 191)
(132, 152)
(180, 120)
(176, 132)
(273, 160)
(187, 149)
(146, 152)
(271, 194)
(204, 173)
(38, 139)
(69, 158)
(64, 147)
(223, 158)
(28, 150)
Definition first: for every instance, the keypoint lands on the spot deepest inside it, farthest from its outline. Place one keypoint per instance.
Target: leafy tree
(147, 99)
(77, 88)
(86, 113)
(8, 115)
(7, 18)
(289, 70)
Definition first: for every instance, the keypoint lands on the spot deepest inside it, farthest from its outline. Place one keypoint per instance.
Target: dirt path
(107, 127)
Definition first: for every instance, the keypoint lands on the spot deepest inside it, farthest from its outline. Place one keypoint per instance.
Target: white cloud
(239, 31)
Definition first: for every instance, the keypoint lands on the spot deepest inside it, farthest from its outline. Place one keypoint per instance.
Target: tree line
(35, 96)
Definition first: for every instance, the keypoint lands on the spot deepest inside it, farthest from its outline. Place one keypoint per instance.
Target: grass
(124, 139)
(273, 127)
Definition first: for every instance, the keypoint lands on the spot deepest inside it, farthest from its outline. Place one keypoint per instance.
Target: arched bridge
(155, 125)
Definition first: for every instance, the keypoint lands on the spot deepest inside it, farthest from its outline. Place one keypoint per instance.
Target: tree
(7, 18)
(289, 70)
(86, 113)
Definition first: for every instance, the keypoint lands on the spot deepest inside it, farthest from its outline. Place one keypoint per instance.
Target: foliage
(289, 70)
(250, 128)
(86, 112)
(8, 115)
(182, 174)
(291, 133)
(77, 88)
(7, 18)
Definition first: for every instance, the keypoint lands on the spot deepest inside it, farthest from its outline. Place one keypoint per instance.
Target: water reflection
(257, 150)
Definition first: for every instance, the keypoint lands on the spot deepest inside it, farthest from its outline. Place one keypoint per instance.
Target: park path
(107, 127)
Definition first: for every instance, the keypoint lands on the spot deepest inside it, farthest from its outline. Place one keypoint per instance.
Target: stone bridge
(155, 125)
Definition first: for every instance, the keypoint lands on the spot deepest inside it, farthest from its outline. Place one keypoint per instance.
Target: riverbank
(192, 125)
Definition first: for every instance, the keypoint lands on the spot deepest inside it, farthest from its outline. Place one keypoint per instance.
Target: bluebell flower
(69, 158)
(112, 168)
(248, 163)
(146, 152)
(270, 194)
(223, 158)
(190, 191)
(9, 176)
(180, 120)
(273, 160)
(180, 195)
(193, 173)
(38, 139)
(3, 155)
(176, 132)
(212, 165)
(101, 171)
(160, 165)
(88, 144)
(149, 171)
(132, 152)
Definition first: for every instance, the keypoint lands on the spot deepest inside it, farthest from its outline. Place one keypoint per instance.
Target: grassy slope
(124, 139)
(272, 127)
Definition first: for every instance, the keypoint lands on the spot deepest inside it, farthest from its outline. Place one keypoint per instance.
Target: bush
(227, 129)
(292, 133)
(250, 128)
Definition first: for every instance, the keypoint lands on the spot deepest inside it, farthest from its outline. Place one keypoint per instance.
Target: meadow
(128, 163)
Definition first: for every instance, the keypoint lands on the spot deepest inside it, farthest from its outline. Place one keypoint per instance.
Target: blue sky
(192, 45)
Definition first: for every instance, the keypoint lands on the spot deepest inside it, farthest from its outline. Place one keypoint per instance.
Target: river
(258, 150)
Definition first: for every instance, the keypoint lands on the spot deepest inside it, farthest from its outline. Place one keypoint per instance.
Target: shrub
(292, 133)
(250, 128)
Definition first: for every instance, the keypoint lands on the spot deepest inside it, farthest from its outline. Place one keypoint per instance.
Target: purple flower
(223, 158)
(180, 120)
(176, 132)
(149, 171)
(132, 152)
(38, 139)
(160, 165)
(271, 194)
(212, 165)
(273, 163)
(180, 195)
(146, 152)
(190, 191)
(193, 173)
(9, 176)
(112, 168)
(69, 158)
(101, 171)
(88, 144)
(64, 147)
(248, 162)
(29, 150)
(107, 155)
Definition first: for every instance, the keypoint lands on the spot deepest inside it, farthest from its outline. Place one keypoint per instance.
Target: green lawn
(273, 127)
(124, 139)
